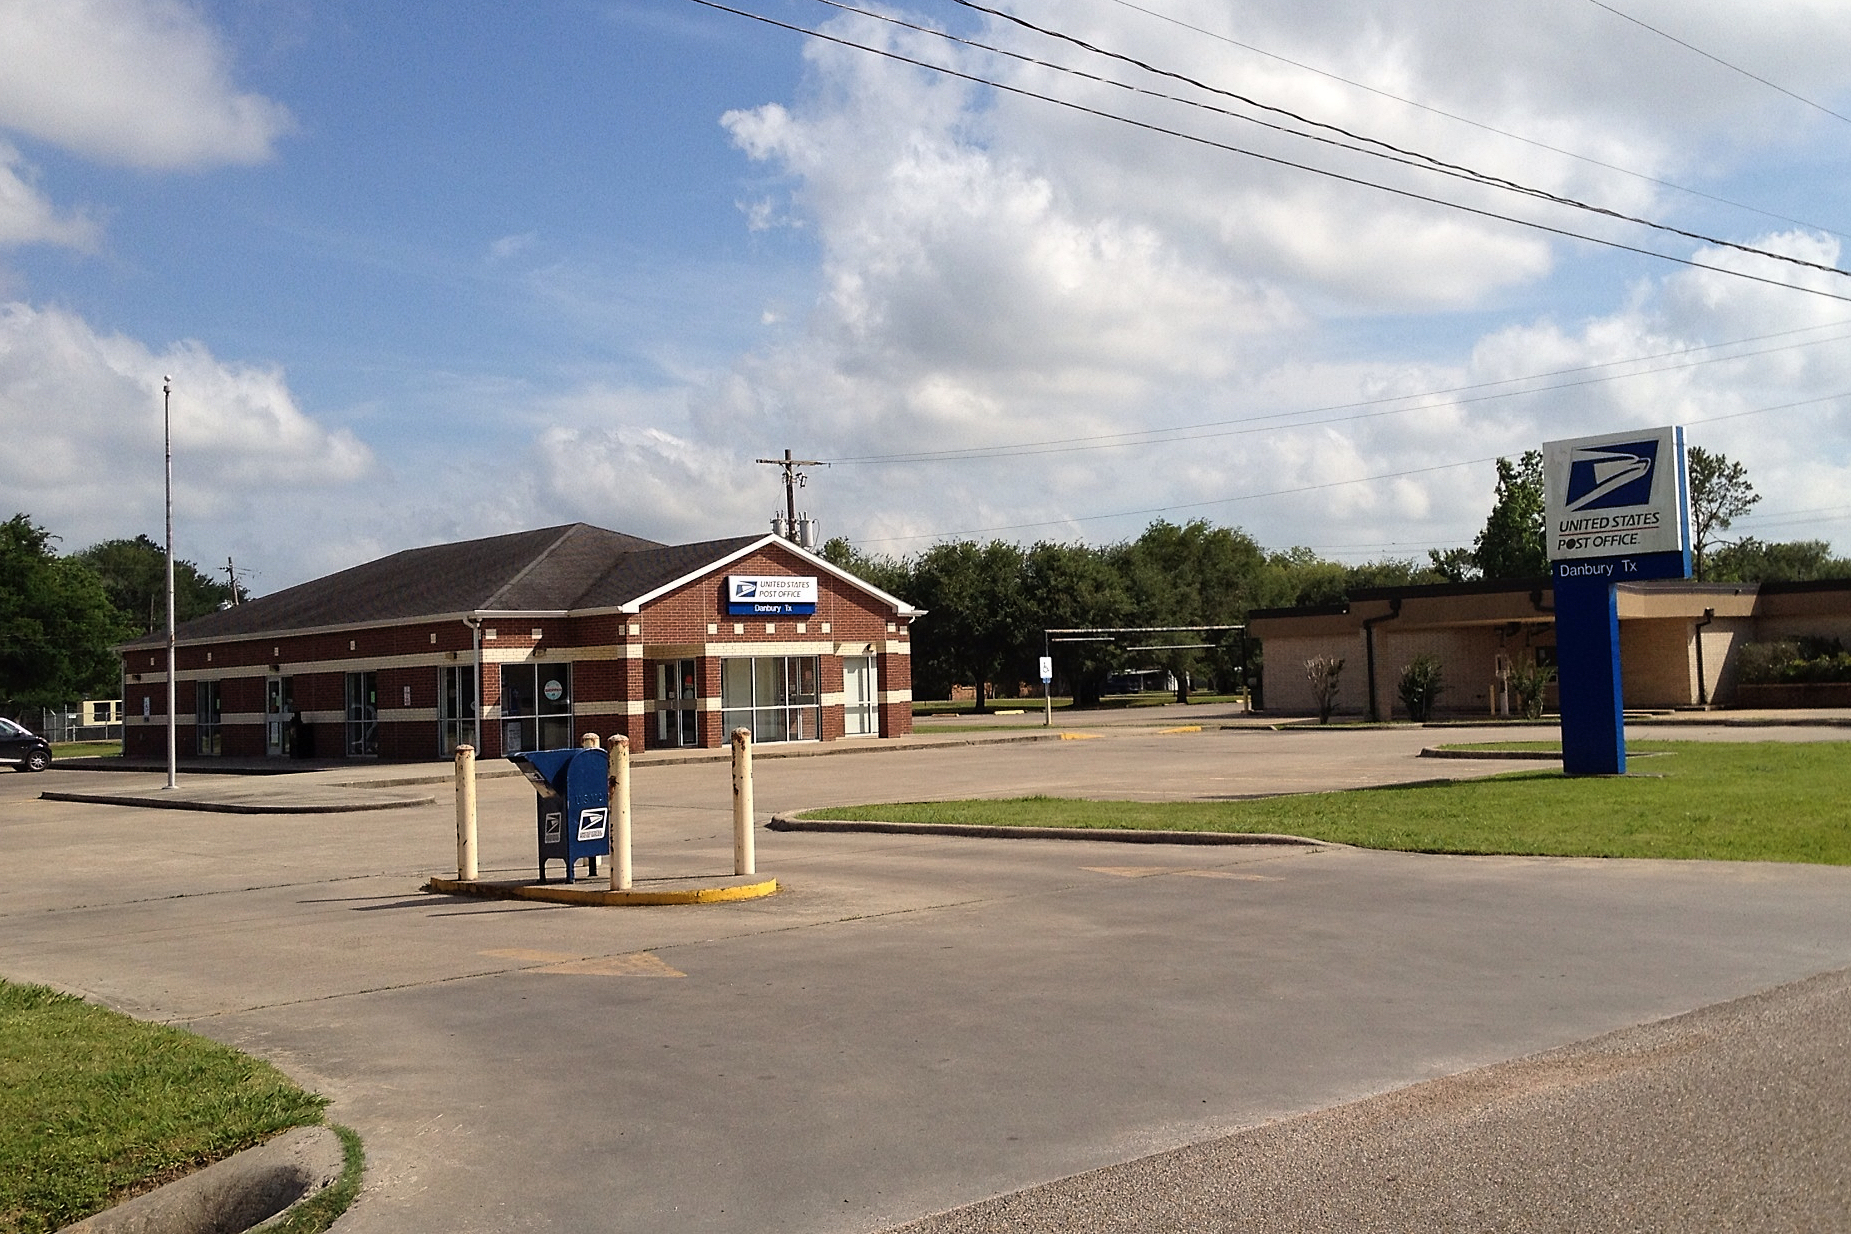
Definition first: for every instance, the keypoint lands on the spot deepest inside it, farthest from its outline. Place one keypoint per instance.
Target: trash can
(572, 807)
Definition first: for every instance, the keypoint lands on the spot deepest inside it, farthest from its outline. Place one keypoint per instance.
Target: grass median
(96, 1107)
(1760, 801)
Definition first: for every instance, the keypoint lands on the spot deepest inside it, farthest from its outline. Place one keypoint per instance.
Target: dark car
(22, 747)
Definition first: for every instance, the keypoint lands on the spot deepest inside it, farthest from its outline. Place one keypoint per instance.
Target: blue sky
(429, 271)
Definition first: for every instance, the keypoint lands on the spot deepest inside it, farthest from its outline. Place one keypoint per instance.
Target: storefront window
(536, 707)
(774, 696)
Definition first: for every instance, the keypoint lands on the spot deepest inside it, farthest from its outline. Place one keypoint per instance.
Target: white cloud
(996, 270)
(81, 412)
(146, 83)
(27, 217)
(512, 246)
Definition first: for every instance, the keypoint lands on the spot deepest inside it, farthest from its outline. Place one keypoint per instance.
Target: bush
(1527, 682)
(1421, 684)
(1794, 660)
(1323, 672)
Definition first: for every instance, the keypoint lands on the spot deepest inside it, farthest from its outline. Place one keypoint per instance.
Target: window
(456, 709)
(774, 696)
(362, 714)
(536, 707)
(206, 717)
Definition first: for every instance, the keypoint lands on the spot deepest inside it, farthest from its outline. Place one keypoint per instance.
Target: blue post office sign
(770, 595)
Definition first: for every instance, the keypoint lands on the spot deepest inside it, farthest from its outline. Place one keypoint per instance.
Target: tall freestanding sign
(1618, 511)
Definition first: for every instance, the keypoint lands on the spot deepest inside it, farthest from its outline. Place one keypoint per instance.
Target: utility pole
(793, 480)
(167, 431)
(231, 572)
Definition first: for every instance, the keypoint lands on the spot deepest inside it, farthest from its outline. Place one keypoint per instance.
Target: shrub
(1794, 660)
(1527, 682)
(1421, 684)
(1323, 671)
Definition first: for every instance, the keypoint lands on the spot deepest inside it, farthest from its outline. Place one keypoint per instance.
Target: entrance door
(860, 692)
(677, 703)
(278, 709)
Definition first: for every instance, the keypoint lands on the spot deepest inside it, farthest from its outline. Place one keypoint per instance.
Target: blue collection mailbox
(573, 807)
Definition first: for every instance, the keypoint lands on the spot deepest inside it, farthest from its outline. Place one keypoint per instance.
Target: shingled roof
(576, 566)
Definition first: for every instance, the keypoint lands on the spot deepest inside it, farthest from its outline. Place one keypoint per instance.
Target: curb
(1547, 756)
(237, 1193)
(553, 893)
(232, 807)
(1116, 835)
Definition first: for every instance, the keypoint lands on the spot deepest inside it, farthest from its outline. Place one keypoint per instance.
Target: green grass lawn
(86, 749)
(1760, 801)
(96, 1107)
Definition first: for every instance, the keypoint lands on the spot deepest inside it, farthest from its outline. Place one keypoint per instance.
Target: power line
(1287, 492)
(1387, 150)
(1477, 124)
(1734, 68)
(1195, 432)
(1276, 160)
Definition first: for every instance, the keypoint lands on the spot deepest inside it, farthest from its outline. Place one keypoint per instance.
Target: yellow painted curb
(1181, 728)
(554, 893)
(1079, 736)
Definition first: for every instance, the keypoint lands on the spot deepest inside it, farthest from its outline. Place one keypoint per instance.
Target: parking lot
(914, 1023)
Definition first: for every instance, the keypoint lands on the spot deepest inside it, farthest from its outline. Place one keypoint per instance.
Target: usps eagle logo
(1608, 477)
(745, 589)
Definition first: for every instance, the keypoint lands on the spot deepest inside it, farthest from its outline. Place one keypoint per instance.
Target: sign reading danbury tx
(770, 595)
(1615, 505)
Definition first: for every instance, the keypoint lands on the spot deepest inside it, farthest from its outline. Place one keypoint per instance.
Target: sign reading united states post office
(1617, 495)
(770, 595)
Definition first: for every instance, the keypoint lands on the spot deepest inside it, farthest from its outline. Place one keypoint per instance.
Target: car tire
(36, 760)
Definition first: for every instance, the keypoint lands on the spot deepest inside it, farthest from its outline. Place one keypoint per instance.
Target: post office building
(525, 641)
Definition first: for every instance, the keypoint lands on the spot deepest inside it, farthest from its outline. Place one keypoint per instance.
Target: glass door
(362, 714)
(860, 694)
(677, 703)
(279, 710)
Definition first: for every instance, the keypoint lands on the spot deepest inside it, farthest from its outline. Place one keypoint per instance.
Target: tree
(1073, 586)
(1454, 565)
(1754, 561)
(977, 624)
(1513, 543)
(134, 576)
(1190, 575)
(56, 624)
(1719, 494)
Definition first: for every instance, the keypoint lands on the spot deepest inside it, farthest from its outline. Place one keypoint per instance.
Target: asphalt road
(921, 1023)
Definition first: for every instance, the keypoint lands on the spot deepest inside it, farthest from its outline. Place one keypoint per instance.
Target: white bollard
(466, 813)
(745, 861)
(587, 741)
(620, 814)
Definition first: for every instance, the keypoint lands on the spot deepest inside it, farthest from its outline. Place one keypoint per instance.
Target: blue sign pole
(1587, 638)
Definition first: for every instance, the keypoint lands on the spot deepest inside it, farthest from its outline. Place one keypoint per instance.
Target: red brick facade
(613, 658)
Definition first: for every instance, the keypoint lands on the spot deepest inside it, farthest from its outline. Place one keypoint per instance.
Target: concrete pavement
(917, 1023)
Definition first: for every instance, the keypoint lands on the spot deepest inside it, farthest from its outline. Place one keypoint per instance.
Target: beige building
(1679, 643)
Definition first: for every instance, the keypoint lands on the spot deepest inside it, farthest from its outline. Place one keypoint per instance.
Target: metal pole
(167, 433)
(466, 813)
(1047, 687)
(620, 808)
(745, 861)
